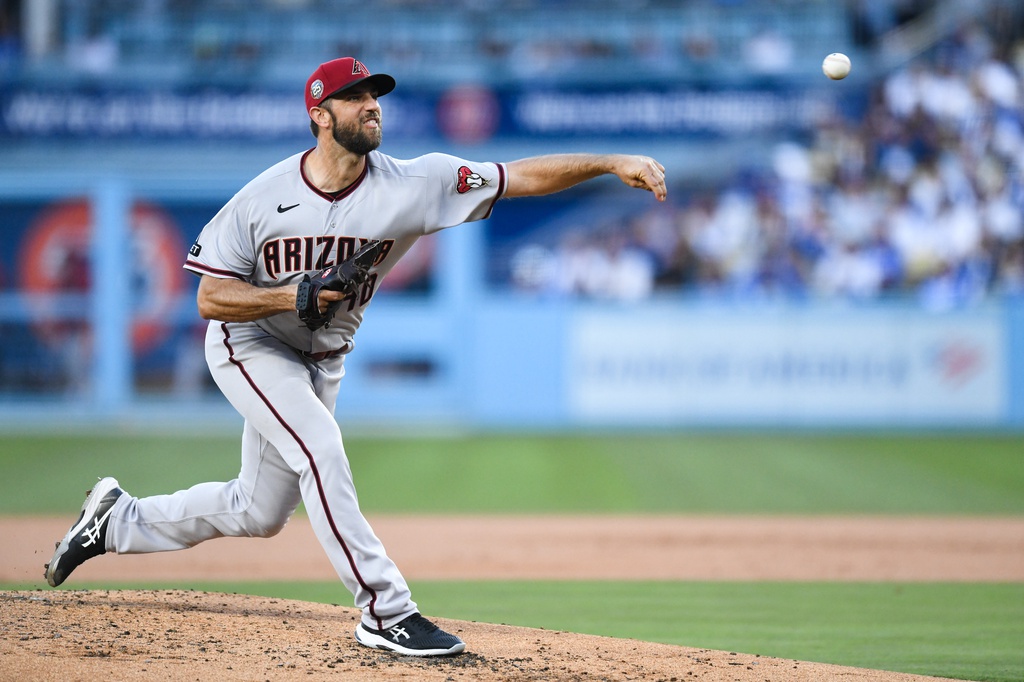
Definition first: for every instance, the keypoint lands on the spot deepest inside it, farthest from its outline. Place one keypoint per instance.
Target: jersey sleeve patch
(469, 180)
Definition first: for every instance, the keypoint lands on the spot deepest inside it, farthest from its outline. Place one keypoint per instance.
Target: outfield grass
(667, 473)
(962, 631)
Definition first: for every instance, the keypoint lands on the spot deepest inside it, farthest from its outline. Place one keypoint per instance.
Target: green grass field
(965, 631)
(763, 473)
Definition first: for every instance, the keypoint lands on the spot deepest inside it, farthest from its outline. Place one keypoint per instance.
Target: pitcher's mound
(183, 635)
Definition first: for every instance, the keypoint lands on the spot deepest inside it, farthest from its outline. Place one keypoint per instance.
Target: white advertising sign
(860, 366)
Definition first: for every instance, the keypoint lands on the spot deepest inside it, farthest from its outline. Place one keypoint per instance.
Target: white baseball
(836, 66)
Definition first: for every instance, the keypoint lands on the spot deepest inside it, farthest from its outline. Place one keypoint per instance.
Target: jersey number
(363, 296)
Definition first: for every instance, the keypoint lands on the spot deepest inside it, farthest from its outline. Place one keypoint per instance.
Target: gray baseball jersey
(284, 379)
(279, 227)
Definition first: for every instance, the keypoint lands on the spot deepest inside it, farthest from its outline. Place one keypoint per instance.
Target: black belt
(323, 355)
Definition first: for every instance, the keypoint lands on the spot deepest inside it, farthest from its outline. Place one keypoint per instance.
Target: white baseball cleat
(87, 537)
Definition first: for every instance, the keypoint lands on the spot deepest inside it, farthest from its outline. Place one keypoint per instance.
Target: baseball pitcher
(288, 267)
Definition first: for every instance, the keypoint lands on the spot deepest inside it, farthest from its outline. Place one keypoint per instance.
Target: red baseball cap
(332, 77)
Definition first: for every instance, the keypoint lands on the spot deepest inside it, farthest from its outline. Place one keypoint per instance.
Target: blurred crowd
(922, 196)
(429, 41)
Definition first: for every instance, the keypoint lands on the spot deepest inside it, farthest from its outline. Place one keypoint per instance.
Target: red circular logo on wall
(55, 258)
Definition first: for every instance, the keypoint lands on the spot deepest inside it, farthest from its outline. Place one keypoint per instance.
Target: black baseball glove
(346, 276)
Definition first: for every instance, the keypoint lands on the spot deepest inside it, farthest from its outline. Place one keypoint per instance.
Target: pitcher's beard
(359, 140)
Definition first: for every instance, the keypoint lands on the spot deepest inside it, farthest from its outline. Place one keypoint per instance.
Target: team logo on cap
(316, 89)
(358, 68)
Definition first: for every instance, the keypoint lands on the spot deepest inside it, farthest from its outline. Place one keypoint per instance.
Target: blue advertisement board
(462, 113)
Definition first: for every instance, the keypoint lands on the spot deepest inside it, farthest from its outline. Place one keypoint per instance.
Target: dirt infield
(580, 547)
(174, 635)
(178, 635)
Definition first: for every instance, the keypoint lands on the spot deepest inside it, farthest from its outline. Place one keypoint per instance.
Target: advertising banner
(859, 366)
(462, 113)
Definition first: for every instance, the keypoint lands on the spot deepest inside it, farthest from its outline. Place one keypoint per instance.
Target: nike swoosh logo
(282, 209)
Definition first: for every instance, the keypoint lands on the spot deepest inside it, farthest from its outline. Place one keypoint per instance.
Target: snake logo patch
(468, 179)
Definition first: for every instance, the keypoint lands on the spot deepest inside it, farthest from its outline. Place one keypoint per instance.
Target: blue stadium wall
(465, 354)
